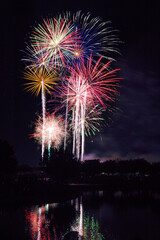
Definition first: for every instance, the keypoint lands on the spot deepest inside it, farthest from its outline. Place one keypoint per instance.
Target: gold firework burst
(38, 77)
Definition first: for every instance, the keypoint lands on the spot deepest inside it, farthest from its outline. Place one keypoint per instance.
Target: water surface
(89, 216)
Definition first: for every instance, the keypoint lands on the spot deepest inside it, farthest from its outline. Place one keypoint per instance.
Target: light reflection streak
(39, 224)
(81, 221)
(43, 223)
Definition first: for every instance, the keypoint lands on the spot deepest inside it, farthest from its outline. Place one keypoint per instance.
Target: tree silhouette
(7, 158)
(62, 164)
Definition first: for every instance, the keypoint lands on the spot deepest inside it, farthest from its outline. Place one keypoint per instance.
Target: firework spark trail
(78, 115)
(66, 121)
(43, 115)
(49, 144)
(83, 112)
(73, 130)
(77, 126)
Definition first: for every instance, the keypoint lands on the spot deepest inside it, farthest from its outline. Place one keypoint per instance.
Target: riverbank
(43, 192)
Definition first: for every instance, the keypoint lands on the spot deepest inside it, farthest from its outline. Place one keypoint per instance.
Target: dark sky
(135, 129)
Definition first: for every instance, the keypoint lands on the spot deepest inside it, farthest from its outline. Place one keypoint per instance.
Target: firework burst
(53, 132)
(34, 59)
(54, 39)
(89, 86)
(93, 120)
(40, 79)
(97, 37)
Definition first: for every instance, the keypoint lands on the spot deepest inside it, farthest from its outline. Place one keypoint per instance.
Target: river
(90, 216)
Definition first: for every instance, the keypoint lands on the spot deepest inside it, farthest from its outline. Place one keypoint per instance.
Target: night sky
(134, 130)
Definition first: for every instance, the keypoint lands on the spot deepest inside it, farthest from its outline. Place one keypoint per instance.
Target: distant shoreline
(48, 193)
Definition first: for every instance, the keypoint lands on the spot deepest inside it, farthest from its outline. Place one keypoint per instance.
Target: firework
(97, 37)
(33, 58)
(54, 39)
(88, 87)
(73, 45)
(40, 79)
(53, 132)
(93, 120)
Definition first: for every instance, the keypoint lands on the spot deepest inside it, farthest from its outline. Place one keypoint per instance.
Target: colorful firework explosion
(97, 37)
(73, 45)
(40, 79)
(87, 87)
(54, 39)
(53, 132)
(33, 58)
